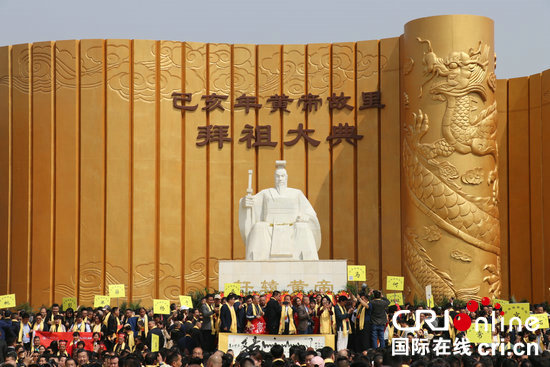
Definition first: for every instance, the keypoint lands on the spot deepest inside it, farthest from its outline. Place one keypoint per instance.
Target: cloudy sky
(522, 29)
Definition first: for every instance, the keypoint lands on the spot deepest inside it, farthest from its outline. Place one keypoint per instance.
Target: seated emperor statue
(279, 223)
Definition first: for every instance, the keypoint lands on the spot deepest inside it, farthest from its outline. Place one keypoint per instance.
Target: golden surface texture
(102, 181)
(451, 233)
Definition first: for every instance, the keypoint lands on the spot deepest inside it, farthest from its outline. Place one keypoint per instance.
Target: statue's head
(281, 177)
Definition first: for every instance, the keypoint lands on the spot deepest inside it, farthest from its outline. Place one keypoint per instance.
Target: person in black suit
(113, 323)
(228, 315)
(154, 328)
(273, 313)
(3, 347)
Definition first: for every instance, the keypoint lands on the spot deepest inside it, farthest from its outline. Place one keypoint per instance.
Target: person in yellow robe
(58, 327)
(38, 324)
(286, 324)
(80, 325)
(326, 316)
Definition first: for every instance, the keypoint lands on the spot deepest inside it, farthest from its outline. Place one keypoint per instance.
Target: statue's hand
(248, 201)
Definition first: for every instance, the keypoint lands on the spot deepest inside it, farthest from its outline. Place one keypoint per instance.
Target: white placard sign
(249, 342)
(428, 291)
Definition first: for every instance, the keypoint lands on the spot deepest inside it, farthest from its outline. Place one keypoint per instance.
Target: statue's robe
(280, 226)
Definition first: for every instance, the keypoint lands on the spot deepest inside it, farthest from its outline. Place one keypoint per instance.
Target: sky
(522, 28)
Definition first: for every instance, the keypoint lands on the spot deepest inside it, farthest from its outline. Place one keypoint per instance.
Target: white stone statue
(279, 223)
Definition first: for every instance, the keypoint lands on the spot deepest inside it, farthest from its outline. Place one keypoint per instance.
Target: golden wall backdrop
(101, 180)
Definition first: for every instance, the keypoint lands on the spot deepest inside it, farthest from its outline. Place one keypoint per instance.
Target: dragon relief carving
(431, 180)
(425, 272)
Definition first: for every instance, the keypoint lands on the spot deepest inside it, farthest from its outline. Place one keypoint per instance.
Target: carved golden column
(451, 235)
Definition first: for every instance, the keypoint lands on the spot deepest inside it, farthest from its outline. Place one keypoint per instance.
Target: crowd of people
(361, 324)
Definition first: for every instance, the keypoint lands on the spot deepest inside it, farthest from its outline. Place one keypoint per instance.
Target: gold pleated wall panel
(67, 168)
(343, 155)
(43, 172)
(319, 158)
(144, 170)
(119, 91)
(269, 84)
(367, 155)
(294, 86)
(195, 171)
(390, 160)
(92, 169)
(21, 173)
(5, 166)
(244, 82)
(170, 145)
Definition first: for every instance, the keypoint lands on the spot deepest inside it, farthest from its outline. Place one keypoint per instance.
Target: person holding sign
(379, 317)
(228, 316)
(155, 332)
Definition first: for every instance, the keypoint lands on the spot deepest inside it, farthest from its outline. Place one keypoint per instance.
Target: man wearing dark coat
(273, 313)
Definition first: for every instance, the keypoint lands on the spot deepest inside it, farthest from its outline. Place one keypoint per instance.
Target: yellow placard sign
(161, 306)
(186, 301)
(117, 291)
(69, 302)
(7, 301)
(101, 301)
(229, 288)
(357, 273)
(519, 310)
(479, 336)
(500, 301)
(394, 283)
(543, 320)
(395, 298)
(154, 343)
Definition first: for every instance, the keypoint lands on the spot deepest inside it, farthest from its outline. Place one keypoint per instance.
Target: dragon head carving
(464, 72)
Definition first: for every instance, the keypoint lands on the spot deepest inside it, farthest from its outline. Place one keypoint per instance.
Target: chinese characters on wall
(260, 135)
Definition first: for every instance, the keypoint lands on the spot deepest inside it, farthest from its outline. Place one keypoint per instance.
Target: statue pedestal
(284, 275)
